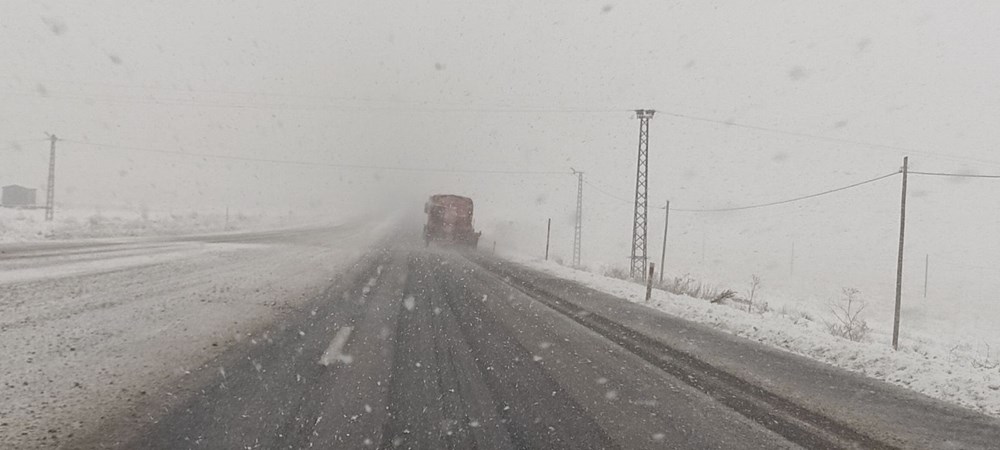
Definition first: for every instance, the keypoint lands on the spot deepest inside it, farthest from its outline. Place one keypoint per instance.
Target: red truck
(449, 219)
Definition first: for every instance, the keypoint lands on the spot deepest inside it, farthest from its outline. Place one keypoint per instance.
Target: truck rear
(449, 219)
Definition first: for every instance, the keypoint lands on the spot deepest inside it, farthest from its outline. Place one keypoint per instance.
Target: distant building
(15, 196)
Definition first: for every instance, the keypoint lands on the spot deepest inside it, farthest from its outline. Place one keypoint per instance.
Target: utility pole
(663, 256)
(638, 268)
(927, 265)
(548, 233)
(578, 230)
(899, 259)
(50, 194)
(791, 262)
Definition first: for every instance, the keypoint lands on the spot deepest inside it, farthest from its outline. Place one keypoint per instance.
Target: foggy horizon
(825, 96)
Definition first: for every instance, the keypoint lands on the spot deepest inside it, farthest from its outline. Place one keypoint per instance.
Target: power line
(356, 105)
(22, 141)
(957, 175)
(190, 90)
(947, 262)
(364, 104)
(608, 194)
(781, 202)
(761, 205)
(894, 148)
(313, 163)
(186, 90)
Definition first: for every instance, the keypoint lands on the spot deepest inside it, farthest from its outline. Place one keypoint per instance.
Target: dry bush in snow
(847, 312)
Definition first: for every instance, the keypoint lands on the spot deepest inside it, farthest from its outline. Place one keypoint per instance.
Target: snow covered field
(937, 364)
(21, 225)
(87, 336)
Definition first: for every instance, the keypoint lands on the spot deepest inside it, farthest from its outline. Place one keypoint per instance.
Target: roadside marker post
(649, 281)
(548, 234)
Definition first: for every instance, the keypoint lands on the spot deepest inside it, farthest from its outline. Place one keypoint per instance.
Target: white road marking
(335, 352)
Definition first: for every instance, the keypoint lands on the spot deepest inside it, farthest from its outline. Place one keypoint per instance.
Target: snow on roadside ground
(924, 363)
(82, 348)
(21, 225)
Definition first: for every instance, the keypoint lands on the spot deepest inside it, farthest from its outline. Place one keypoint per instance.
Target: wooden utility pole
(663, 255)
(50, 194)
(899, 259)
(548, 234)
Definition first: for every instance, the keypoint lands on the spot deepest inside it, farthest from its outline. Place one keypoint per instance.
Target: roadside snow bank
(957, 373)
(21, 225)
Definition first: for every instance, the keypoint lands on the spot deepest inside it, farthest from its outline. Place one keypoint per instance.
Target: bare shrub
(847, 312)
(97, 220)
(761, 308)
(616, 272)
(682, 285)
(985, 363)
(703, 291)
(727, 294)
(754, 287)
(687, 285)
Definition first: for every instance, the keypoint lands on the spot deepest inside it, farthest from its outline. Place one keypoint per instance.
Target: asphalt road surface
(433, 348)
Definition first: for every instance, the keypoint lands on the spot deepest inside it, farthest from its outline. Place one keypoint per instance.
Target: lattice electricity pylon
(638, 269)
(50, 194)
(578, 230)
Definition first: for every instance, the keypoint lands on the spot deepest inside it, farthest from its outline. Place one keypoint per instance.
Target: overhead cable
(956, 175)
(761, 205)
(314, 163)
(893, 148)
(782, 202)
(610, 195)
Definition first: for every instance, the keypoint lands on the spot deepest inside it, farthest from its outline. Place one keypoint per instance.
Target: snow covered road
(88, 329)
(426, 348)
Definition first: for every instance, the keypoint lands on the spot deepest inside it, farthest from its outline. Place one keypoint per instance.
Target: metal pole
(548, 233)
(663, 255)
(50, 195)
(927, 264)
(899, 259)
(638, 266)
(649, 281)
(578, 229)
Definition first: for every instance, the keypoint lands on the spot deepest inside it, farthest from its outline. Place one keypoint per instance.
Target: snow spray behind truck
(449, 219)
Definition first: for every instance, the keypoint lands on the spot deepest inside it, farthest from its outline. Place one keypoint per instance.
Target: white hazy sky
(530, 86)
